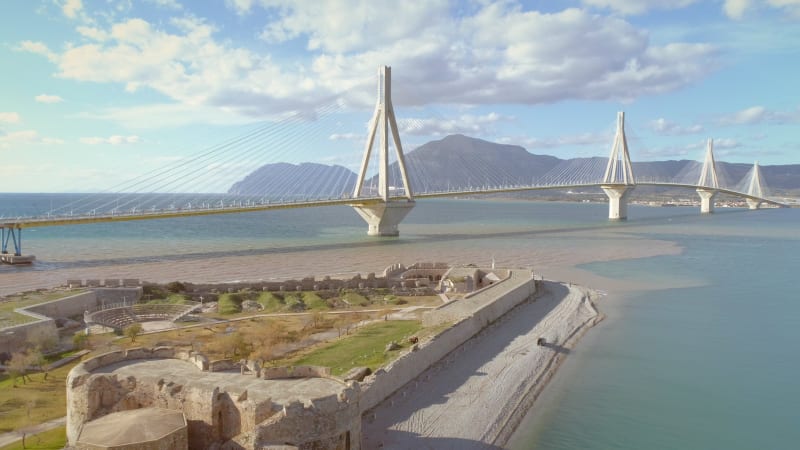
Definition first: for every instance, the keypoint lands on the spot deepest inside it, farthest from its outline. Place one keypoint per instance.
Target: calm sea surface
(711, 366)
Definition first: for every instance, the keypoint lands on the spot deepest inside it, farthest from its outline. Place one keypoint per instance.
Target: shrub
(176, 287)
(229, 304)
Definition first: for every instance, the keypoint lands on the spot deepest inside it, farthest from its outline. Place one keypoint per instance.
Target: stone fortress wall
(231, 412)
(469, 318)
(224, 414)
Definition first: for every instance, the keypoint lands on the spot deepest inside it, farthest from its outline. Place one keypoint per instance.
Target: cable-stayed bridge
(383, 191)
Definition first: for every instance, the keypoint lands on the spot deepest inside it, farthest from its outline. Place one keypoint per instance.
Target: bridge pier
(753, 203)
(617, 200)
(706, 200)
(13, 234)
(383, 218)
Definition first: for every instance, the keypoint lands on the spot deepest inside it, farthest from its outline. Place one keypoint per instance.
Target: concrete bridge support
(617, 200)
(385, 215)
(706, 200)
(383, 218)
(753, 203)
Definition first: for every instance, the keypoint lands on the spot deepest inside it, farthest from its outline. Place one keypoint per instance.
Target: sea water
(708, 360)
(713, 366)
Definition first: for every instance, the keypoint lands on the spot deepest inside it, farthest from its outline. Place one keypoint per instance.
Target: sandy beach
(473, 398)
(554, 256)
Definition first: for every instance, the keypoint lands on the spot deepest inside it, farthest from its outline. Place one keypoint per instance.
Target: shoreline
(477, 395)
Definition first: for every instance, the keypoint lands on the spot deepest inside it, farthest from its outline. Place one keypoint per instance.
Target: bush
(229, 304)
(271, 302)
(176, 287)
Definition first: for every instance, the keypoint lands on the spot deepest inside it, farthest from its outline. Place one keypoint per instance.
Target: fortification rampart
(471, 317)
(226, 403)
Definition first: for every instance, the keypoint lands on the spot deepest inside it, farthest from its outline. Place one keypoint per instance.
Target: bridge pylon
(755, 188)
(384, 216)
(618, 180)
(708, 183)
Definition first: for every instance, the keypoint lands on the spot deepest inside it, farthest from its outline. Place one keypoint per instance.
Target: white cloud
(37, 48)
(240, 6)
(664, 126)
(464, 124)
(45, 98)
(9, 117)
(340, 26)
(169, 4)
(26, 137)
(735, 8)
(760, 114)
(486, 54)
(112, 140)
(95, 34)
(71, 8)
(638, 6)
(347, 137)
(726, 143)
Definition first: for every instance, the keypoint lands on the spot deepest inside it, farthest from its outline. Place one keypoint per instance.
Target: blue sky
(98, 90)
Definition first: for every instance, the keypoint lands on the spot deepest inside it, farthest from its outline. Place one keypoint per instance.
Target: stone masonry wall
(384, 382)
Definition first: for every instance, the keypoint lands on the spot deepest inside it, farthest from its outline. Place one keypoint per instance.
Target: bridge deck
(45, 221)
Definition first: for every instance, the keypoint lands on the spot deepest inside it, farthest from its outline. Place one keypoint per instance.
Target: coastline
(477, 395)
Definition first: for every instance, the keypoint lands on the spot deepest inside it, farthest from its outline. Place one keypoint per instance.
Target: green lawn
(48, 440)
(363, 347)
(46, 399)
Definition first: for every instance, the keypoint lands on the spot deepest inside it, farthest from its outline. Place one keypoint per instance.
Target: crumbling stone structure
(239, 407)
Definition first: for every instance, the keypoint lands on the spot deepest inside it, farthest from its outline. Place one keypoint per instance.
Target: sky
(92, 91)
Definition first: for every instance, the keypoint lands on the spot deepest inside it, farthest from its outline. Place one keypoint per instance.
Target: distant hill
(284, 180)
(459, 161)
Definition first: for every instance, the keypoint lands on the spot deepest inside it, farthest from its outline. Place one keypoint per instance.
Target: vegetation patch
(54, 439)
(365, 347)
(230, 303)
(38, 400)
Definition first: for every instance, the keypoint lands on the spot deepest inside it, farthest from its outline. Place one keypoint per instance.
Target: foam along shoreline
(475, 397)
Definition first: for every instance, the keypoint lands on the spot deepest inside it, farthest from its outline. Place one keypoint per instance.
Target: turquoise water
(713, 366)
(709, 367)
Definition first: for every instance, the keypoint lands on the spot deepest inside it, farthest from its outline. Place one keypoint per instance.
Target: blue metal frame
(16, 238)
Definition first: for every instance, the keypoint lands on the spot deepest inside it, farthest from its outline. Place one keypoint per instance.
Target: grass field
(43, 399)
(54, 439)
(363, 348)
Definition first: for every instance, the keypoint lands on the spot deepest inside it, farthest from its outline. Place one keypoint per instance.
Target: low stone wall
(74, 305)
(504, 296)
(18, 337)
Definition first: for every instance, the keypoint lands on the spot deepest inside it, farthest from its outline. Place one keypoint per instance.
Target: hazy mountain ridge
(459, 161)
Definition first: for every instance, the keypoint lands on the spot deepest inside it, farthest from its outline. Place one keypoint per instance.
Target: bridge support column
(753, 203)
(15, 236)
(706, 200)
(383, 218)
(617, 200)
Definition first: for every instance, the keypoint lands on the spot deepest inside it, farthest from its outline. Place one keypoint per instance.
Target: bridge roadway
(45, 221)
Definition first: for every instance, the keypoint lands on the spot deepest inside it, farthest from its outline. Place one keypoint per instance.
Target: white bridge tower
(384, 215)
(618, 180)
(755, 187)
(708, 183)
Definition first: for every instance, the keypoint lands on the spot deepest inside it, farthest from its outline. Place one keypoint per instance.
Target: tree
(80, 340)
(133, 330)
(176, 287)
(18, 367)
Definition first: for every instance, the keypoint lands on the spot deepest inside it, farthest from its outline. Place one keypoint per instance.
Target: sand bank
(474, 397)
(560, 251)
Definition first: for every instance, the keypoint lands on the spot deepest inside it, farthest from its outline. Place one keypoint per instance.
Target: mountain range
(460, 162)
